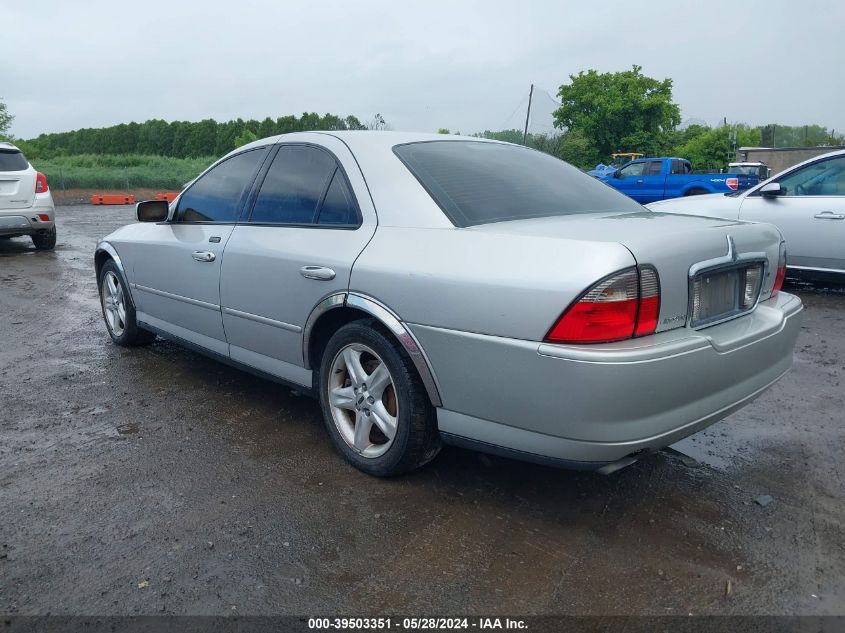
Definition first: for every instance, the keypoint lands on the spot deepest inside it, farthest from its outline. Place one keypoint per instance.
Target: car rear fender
(388, 319)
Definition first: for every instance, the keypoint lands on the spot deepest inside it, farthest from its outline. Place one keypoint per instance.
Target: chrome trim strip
(730, 258)
(170, 295)
(336, 300)
(263, 320)
(816, 270)
(405, 337)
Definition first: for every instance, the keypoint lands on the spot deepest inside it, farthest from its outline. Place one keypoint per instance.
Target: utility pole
(527, 115)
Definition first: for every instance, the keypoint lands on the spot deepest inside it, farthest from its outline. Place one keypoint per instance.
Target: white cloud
(461, 65)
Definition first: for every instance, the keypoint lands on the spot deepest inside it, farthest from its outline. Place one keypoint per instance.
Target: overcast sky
(423, 65)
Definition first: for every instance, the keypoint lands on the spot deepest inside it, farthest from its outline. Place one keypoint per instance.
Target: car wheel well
(324, 329)
(696, 191)
(330, 322)
(100, 258)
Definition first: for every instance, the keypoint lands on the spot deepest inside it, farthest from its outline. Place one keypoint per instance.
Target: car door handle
(320, 273)
(829, 215)
(203, 256)
(640, 181)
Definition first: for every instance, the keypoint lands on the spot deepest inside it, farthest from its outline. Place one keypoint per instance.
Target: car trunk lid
(688, 252)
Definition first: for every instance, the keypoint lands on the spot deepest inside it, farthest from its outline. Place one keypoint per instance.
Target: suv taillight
(781, 273)
(41, 183)
(620, 307)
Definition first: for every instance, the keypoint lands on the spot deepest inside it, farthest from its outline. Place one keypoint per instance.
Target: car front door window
(634, 169)
(218, 194)
(824, 178)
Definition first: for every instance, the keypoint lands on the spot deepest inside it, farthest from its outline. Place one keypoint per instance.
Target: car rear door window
(12, 160)
(653, 168)
(294, 186)
(218, 194)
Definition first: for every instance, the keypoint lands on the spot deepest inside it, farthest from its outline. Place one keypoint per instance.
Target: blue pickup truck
(651, 179)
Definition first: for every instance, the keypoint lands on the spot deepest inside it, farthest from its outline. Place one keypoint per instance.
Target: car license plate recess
(724, 293)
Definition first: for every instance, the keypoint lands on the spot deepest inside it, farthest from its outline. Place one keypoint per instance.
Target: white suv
(26, 206)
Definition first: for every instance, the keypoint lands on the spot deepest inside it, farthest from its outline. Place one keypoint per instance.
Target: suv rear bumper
(28, 221)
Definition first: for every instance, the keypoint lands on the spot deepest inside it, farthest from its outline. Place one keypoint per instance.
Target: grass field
(120, 172)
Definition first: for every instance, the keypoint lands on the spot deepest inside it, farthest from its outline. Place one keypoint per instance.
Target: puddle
(128, 429)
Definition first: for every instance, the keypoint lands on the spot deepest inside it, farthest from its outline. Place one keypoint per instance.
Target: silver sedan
(430, 289)
(806, 202)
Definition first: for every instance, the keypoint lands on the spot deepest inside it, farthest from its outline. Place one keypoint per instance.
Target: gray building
(780, 158)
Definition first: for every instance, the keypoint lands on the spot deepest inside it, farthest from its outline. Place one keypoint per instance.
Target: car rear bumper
(585, 406)
(30, 220)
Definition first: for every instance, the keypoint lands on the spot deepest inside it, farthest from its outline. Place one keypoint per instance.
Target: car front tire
(374, 404)
(118, 311)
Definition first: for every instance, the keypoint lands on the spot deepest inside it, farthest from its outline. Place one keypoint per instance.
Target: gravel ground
(155, 481)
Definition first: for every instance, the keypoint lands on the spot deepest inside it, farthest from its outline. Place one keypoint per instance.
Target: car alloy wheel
(362, 400)
(114, 303)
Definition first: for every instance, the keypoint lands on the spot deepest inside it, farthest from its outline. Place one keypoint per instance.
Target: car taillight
(41, 183)
(732, 183)
(649, 302)
(781, 273)
(619, 307)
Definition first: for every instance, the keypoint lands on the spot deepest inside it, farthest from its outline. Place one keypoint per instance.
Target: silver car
(806, 202)
(432, 289)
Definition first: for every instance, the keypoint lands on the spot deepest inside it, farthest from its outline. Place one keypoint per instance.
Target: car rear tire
(45, 241)
(118, 311)
(374, 404)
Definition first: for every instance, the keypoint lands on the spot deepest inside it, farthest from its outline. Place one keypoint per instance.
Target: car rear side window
(12, 160)
(338, 206)
(476, 182)
(294, 186)
(218, 194)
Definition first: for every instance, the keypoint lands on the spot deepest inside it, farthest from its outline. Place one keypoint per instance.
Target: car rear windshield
(12, 160)
(477, 182)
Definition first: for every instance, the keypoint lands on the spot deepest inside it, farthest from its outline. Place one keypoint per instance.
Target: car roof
(7, 145)
(398, 197)
(369, 139)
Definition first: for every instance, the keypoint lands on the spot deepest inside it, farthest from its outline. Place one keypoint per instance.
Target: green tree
(508, 136)
(5, 120)
(443, 130)
(775, 135)
(352, 123)
(576, 149)
(267, 128)
(621, 111)
(710, 148)
(247, 136)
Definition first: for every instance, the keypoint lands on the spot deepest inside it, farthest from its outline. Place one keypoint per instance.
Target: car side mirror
(771, 190)
(152, 210)
(616, 174)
